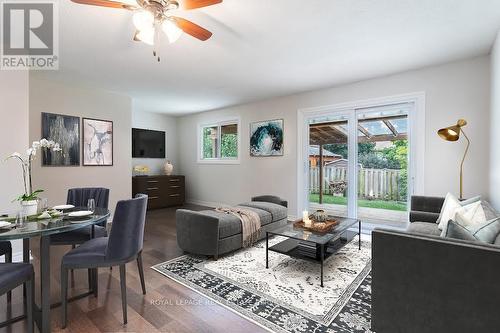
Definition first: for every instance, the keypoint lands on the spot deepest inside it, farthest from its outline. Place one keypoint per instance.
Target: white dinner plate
(5, 224)
(62, 207)
(81, 213)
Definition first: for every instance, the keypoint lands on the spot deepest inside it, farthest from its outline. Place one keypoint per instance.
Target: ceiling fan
(153, 16)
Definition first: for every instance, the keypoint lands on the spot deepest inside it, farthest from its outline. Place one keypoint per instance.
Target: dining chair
(14, 275)
(6, 250)
(123, 245)
(79, 197)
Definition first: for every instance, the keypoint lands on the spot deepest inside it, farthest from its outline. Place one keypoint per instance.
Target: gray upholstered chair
(79, 197)
(6, 250)
(271, 198)
(14, 275)
(123, 245)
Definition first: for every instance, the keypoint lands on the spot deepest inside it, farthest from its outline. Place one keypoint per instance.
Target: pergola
(385, 128)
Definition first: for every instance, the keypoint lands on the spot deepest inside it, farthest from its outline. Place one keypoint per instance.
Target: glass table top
(45, 227)
(291, 231)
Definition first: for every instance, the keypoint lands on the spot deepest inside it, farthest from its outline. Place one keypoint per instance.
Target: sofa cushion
(278, 212)
(229, 224)
(424, 228)
(265, 216)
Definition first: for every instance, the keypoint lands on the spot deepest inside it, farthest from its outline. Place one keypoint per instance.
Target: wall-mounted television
(148, 143)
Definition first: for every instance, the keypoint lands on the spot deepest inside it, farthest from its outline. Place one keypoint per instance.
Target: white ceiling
(266, 48)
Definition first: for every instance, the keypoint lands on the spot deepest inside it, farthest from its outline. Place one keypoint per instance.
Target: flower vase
(29, 207)
(168, 168)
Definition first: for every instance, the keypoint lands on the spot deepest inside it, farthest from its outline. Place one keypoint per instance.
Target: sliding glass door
(358, 163)
(328, 163)
(382, 157)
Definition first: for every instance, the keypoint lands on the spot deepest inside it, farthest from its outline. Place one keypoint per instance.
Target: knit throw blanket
(250, 223)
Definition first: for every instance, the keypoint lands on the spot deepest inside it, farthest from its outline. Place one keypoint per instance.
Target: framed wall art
(64, 130)
(266, 138)
(97, 142)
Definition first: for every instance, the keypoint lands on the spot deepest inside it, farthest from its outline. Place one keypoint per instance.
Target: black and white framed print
(97, 142)
(64, 130)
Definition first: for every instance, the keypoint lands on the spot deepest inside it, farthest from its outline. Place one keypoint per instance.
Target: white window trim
(219, 122)
(417, 153)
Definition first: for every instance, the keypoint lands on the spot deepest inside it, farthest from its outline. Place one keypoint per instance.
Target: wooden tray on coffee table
(322, 227)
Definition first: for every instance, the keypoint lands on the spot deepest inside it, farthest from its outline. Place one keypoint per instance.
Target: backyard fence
(372, 183)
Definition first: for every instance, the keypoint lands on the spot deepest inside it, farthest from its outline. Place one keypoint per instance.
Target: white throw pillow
(470, 215)
(451, 206)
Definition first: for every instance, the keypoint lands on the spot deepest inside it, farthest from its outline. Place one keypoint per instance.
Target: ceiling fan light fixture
(147, 36)
(171, 29)
(143, 20)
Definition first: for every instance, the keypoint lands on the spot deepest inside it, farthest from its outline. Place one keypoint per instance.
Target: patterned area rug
(287, 297)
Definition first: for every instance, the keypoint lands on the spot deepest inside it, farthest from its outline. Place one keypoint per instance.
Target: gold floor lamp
(452, 133)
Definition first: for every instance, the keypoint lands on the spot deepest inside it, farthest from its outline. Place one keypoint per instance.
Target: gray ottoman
(213, 233)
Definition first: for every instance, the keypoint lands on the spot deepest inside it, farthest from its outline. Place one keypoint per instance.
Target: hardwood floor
(167, 306)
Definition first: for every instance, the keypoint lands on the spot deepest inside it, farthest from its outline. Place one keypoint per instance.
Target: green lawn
(381, 204)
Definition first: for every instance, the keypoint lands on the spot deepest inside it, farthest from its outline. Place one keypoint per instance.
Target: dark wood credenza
(163, 191)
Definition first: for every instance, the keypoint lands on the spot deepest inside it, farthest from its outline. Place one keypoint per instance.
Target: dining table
(35, 227)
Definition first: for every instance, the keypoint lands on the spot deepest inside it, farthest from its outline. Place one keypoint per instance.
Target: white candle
(305, 216)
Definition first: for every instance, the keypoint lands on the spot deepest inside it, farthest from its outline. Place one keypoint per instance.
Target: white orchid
(26, 165)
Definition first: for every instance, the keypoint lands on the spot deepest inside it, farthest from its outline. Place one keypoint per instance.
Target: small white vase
(29, 207)
(168, 168)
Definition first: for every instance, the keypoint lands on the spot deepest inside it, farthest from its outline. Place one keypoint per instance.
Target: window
(219, 143)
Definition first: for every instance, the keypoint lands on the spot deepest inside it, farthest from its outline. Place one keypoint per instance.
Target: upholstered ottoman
(213, 233)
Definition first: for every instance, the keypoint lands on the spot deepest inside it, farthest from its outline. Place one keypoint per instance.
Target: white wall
(52, 97)
(494, 176)
(158, 122)
(453, 91)
(14, 98)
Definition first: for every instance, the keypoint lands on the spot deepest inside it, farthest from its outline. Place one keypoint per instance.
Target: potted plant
(29, 199)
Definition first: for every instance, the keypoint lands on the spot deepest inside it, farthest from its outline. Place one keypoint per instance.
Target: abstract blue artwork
(266, 138)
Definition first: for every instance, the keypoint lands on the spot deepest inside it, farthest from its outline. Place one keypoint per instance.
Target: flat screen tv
(148, 143)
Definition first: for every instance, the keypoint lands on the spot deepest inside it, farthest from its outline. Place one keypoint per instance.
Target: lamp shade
(452, 133)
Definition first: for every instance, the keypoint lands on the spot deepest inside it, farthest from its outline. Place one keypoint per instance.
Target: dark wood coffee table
(313, 246)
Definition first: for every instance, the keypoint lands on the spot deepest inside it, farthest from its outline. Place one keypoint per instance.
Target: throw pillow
(450, 207)
(470, 215)
(486, 232)
(489, 211)
(456, 231)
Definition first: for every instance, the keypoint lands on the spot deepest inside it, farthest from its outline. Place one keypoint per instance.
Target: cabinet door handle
(152, 198)
(174, 195)
(152, 188)
(152, 181)
(175, 186)
(174, 180)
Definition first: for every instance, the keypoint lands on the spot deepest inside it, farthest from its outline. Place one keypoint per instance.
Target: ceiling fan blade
(193, 4)
(104, 3)
(192, 29)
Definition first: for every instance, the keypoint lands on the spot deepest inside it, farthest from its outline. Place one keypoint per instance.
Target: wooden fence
(372, 183)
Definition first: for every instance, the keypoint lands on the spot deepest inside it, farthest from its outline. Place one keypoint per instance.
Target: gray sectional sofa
(425, 283)
(214, 233)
